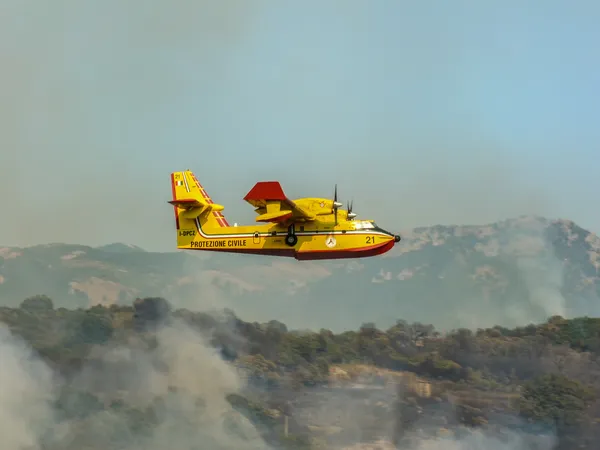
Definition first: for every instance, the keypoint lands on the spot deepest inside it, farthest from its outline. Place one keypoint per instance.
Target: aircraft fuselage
(314, 240)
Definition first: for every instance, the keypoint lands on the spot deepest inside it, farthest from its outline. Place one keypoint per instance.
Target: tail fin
(191, 202)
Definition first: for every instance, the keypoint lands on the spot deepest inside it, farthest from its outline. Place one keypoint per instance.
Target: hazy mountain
(512, 272)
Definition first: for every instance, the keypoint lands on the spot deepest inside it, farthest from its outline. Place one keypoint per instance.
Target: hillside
(511, 272)
(145, 376)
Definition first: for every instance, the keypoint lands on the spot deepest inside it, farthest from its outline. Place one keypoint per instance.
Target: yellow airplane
(306, 228)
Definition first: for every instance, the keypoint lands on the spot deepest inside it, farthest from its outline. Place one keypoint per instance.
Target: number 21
(370, 239)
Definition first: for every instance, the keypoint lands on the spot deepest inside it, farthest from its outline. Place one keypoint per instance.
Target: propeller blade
(335, 205)
(351, 215)
(334, 202)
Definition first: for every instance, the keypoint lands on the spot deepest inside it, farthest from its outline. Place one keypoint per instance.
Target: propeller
(351, 215)
(335, 205)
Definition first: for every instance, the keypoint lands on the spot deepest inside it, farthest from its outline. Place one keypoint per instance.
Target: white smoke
(481, 441)
(180, 377)
(542, 272)
(25, 394)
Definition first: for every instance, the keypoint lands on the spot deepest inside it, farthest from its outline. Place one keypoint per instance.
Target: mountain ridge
(517, 270)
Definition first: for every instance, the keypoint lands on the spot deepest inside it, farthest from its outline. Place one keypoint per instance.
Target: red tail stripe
(217, 215)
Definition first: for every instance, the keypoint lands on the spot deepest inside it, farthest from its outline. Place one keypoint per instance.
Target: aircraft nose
(397, 238)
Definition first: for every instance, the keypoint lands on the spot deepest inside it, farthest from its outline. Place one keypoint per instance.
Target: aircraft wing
(272, 205)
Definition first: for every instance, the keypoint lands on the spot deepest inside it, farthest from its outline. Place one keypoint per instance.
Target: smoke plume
(26, 395)
(179, 378)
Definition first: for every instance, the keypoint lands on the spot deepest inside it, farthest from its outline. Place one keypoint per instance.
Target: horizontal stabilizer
(186, 203)
(191, 203)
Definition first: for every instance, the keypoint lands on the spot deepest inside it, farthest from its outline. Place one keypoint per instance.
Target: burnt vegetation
(537, 378)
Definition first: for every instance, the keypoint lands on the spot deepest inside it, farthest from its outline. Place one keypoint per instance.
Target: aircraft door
(256, 237)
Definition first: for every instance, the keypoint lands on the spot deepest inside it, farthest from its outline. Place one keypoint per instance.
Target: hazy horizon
(201, 253)
(460, 114)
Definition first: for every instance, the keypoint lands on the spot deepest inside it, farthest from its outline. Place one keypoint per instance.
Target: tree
(150, 312)
(555, 399)
(257, 367)
(94, 329)
(85, 328)
(37, 303)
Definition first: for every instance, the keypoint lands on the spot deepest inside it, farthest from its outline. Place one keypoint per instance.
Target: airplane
(305, 228)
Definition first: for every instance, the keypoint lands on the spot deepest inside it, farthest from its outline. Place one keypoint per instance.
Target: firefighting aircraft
(306, 228)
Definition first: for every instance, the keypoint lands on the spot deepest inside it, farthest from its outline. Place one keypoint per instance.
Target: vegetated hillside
(147, 376)
(511, 272)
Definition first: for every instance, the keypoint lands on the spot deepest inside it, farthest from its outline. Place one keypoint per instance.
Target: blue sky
(422, 112)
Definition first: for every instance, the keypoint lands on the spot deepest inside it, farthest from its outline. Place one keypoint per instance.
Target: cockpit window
(378, 228)
(363, 225)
